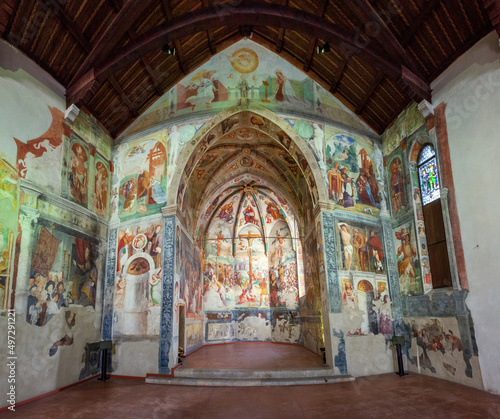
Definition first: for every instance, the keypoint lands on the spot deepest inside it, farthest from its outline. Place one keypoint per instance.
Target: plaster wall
(470, 88)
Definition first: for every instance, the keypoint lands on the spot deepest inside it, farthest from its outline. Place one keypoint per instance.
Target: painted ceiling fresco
(246, 70)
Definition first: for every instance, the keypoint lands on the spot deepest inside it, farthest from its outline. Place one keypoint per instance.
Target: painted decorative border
(331, 271)
(109, 287)
(167, 300)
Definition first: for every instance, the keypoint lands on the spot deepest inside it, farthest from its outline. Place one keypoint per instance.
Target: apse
(243, 197)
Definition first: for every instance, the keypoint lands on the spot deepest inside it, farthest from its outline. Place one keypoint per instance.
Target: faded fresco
(368, 305)
(245, 72)
(410, 277)
(397, 186)
(138, 286)
(8, 227)
(63, 274)
(142, 184)
(34, 156)
(360, 248)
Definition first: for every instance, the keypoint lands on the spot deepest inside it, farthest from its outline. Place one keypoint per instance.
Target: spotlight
(323, 49)
(167, 50)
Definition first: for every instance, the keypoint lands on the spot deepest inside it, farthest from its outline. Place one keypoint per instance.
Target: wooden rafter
(68, 23)
(370, 16)
(109, 39)
(416, 24)
(8, 28)
(178, 49)
(123, 96)
(493, 9)
(320, 11)
(145, 62)
(338, 76)
(281, 33)
(246, 14)
(210, 32)
(361, 106)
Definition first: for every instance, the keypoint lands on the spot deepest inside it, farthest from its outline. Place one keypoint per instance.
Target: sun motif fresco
(246, 71)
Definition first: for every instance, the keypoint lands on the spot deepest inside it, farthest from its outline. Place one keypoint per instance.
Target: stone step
(248, 382)
(204, 373)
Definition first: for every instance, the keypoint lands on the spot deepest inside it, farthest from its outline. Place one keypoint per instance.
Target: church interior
(240, 193)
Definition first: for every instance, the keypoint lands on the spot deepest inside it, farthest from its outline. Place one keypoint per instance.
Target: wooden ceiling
(107, 53)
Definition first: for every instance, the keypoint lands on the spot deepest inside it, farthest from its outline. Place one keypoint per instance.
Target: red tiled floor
(385, 396)
(253, 355)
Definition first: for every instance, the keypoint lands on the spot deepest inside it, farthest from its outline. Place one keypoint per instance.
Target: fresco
(360, 248)
(101, 188)
(8, 226)
(312, 326)
(191, 279)
(78, 172)
(410, 278)
(396, 186)
(368, 304)
(63, 273)
(138, 286)
(352, 173)
(250, 260)
(34, 156)
(142, 186)
(439, 347)
(243, 72)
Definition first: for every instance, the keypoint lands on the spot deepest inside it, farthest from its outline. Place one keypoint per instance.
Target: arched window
(428, 175)
(430, 185)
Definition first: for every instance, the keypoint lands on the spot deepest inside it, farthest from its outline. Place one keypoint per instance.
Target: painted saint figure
(346, 241)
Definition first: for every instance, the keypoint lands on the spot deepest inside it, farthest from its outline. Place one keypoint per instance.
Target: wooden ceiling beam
(416, 24)
(107, 42)
(210, 32)
(147, 65)
(369, 93)
(123, 96)
(177, 44)
(372, 19)
(338, 76)
(320, 11)
(493, 9)
(13, 15)
(117, 5)
(281, 33)
(67, 22)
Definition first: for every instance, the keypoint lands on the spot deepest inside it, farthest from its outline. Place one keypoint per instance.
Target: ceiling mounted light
(167, 50)
(323, 49)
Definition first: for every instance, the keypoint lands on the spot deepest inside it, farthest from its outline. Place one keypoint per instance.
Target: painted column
(109, 286)
(167, 300)
(392, 274)
(28, 218)
(330, 277)
(91, 179)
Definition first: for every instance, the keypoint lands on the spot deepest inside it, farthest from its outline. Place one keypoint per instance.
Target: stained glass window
(426, 153)
(428, 174)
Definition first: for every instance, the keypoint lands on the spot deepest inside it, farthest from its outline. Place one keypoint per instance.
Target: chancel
(253, 194)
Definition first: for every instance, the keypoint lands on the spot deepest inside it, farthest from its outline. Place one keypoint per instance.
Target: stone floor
(383, 396)
(254, 355)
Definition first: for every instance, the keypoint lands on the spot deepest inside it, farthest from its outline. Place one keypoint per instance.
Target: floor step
(248, 382)
(205, 373)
